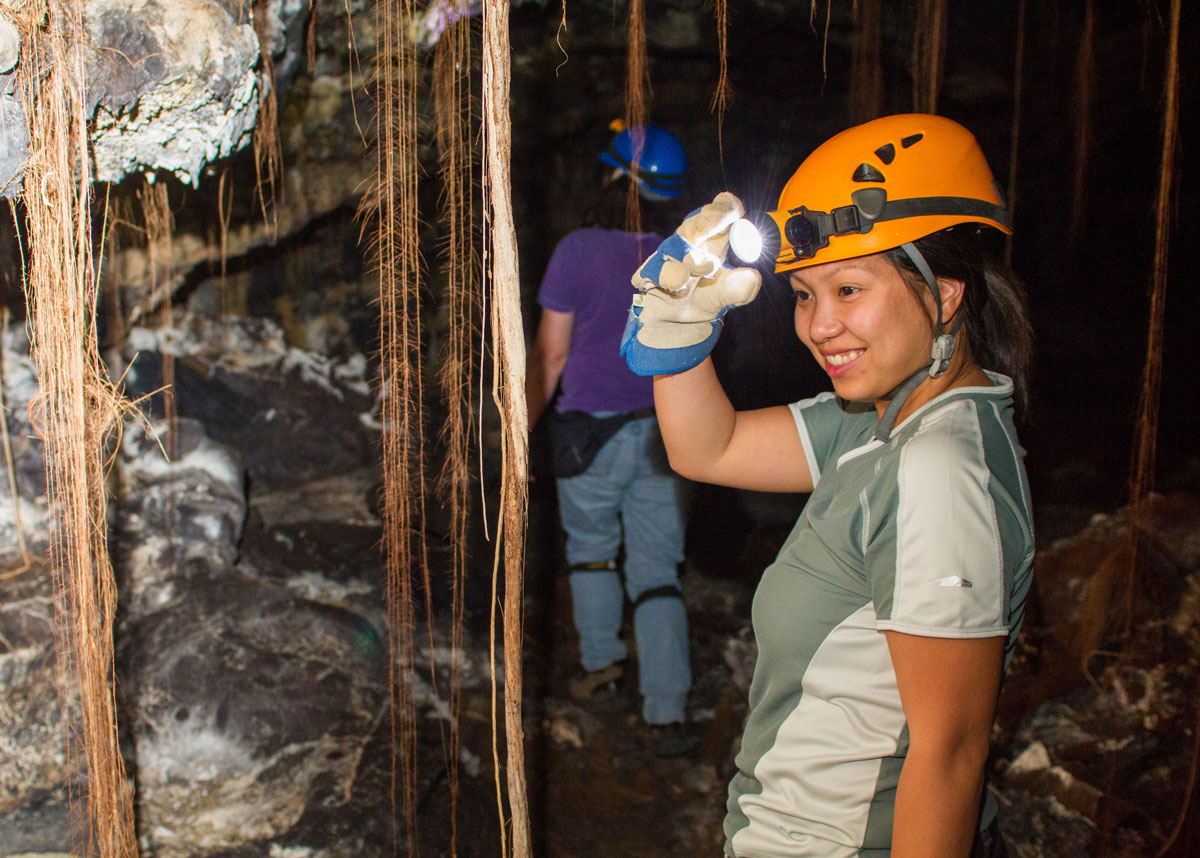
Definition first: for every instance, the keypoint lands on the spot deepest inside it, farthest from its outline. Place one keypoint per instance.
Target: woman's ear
(952, 297)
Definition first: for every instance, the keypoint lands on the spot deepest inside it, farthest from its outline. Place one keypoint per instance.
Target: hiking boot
(600, 690)
(671, 740)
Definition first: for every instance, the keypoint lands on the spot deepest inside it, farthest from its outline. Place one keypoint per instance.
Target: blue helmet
(651, 156)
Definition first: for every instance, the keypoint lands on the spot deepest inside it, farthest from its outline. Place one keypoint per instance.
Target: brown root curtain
(77, 411)
(392, 203)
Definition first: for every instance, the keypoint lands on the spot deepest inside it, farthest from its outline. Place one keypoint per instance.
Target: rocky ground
(253, 671)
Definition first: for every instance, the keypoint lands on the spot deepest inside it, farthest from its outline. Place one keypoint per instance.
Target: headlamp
(803, 232)
(756, 239)
(808, 231)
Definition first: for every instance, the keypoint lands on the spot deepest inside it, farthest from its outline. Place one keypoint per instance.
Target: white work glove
(684, 289)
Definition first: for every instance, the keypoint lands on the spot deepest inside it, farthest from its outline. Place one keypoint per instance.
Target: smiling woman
(886, 621)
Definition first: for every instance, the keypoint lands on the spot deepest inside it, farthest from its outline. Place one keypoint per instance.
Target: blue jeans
(629, 494)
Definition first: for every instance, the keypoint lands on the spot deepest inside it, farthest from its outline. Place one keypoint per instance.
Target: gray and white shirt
(929, 533)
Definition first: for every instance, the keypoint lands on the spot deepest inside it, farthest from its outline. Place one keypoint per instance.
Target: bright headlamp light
(754, 240)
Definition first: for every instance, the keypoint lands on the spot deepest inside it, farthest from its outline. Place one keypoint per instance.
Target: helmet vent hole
(911, 140)
(867, 173)
(886, 153)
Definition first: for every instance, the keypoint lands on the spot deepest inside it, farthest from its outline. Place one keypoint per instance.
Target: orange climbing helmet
(883, 184)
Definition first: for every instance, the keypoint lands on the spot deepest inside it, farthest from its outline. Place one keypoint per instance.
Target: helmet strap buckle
(940, 353)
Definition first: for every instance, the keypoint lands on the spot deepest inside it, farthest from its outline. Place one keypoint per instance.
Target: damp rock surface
(36, 706)
(1096, 732)
(173, 85)
(176, 85)
(24, 508)
(170, 85)
(292, 415)
(254, 687)
(14, 136)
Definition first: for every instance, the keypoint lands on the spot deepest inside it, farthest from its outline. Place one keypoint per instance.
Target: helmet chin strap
(939, 356)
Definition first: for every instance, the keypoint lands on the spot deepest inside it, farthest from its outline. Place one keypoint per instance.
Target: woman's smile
(838, 363)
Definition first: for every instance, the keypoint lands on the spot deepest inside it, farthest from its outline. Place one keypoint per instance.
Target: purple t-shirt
(588, 275)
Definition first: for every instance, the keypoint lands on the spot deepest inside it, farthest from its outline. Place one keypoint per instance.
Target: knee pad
(593, 566)
(667, 591)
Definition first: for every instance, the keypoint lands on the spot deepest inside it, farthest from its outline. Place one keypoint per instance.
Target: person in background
(614, 486)
(887, 619)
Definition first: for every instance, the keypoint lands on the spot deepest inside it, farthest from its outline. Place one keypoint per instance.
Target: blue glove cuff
(645, 360)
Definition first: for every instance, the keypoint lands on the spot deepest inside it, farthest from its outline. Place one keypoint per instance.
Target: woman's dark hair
(997, 323)
(606, 209)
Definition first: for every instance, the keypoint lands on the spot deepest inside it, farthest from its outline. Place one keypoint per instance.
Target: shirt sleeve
(557, 291)
(818, 421)
(935, 559)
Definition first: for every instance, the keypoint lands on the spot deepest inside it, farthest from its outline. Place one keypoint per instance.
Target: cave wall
(183, 109)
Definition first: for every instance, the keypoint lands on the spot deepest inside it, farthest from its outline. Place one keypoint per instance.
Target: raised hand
(684, 290)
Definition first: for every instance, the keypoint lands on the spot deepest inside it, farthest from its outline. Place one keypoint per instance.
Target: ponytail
(996, 325)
